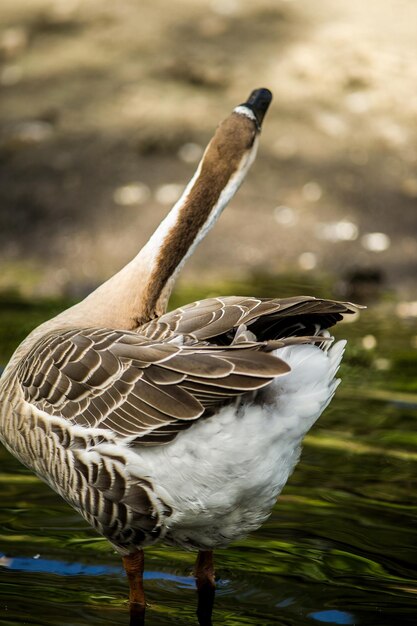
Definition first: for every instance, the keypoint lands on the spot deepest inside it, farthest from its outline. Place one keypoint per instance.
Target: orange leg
(206, 585)
(134, 565)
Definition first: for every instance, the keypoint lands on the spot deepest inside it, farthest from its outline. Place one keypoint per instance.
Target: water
(339, 548)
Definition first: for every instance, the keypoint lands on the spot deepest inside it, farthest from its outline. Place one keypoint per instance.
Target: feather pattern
(268, 318)
(132, 385)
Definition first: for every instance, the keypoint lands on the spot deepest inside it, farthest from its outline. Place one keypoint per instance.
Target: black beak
(258, 102)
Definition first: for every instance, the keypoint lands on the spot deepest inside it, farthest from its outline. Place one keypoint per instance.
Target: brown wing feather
(217, 319)
(143, 386)
(136, 387)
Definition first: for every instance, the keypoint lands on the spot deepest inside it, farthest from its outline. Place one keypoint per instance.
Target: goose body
(180, 426)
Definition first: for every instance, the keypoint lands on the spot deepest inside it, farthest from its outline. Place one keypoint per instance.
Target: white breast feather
(223, 475)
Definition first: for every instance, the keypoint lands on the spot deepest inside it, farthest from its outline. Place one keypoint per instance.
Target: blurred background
(105, 109)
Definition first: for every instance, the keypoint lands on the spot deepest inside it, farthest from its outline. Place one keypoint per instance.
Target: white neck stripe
(242, 110)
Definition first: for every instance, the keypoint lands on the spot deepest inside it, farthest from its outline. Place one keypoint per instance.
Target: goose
(182, 426)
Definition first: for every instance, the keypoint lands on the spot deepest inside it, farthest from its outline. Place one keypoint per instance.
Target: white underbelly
(222, 476)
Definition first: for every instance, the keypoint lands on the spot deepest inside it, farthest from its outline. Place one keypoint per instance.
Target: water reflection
(205, 606)
(333, 617)
(137, 616)
(40, 565)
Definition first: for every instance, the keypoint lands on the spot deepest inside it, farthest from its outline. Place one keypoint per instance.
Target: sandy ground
(105, 109)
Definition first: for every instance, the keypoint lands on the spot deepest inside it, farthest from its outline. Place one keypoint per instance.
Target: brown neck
(140, 291)
(197, 213)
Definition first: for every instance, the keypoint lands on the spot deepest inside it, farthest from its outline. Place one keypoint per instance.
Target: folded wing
(217, 319)
(143, 389)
